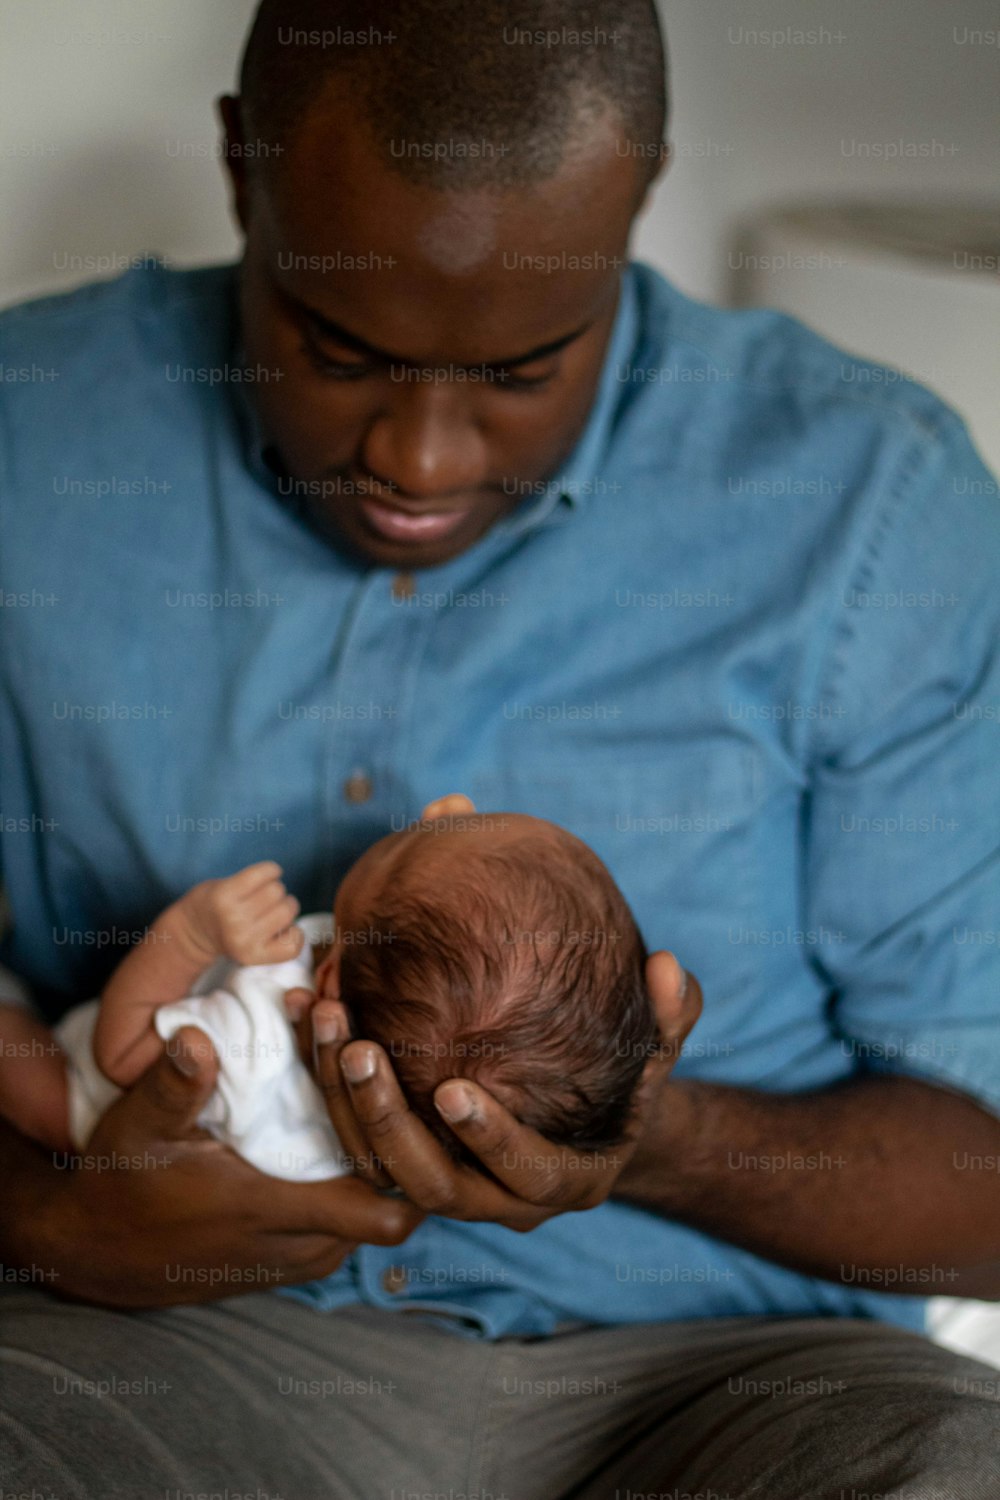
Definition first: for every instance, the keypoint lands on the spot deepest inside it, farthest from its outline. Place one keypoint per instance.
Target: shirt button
(395, 1280)
(358, 787)
(404, 586)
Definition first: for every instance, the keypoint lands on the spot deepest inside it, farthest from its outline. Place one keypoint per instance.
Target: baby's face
(436, 848)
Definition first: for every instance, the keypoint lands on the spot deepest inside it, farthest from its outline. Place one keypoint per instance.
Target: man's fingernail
(358, 1066)
(184, 1061)
(455, 1103)
(326, 1028)
(682, 987)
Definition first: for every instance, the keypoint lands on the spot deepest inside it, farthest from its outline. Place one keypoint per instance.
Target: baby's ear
(328, 976)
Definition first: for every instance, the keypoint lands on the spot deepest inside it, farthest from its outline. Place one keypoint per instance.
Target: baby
(493, 946)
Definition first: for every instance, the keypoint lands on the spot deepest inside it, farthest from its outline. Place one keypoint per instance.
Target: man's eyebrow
(350, 340)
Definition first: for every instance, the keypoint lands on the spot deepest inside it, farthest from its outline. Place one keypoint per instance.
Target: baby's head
(497, 947)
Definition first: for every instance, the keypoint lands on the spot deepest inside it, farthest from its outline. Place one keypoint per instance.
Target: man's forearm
(884, 1183)
(30, 1180)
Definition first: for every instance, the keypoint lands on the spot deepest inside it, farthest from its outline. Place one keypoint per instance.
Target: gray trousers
(260, 1397)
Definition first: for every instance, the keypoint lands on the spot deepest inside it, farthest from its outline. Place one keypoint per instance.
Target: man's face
(440, 350)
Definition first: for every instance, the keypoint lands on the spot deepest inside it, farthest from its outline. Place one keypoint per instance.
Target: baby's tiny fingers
(264, 897)
(285, 912)
(288, 942)
(251, 876)
(271, 917)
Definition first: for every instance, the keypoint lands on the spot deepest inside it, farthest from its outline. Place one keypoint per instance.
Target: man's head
(437, 208)
(497, 947)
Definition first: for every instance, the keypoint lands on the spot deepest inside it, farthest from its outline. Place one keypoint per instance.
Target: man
(448, 496)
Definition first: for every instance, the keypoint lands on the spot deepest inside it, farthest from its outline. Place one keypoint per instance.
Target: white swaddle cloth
(265, 1103)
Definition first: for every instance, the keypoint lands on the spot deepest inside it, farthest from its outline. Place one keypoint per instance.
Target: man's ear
(234, 156)
(652, 182)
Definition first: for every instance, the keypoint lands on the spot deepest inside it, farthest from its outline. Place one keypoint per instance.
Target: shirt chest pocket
(676, 830)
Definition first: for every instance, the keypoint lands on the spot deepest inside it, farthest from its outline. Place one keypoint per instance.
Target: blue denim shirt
(745, 645)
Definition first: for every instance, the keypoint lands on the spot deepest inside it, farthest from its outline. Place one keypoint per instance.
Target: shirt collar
(255, 444)
(576, 479)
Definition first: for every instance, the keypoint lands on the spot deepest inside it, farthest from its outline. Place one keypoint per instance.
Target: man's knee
(884, 1417)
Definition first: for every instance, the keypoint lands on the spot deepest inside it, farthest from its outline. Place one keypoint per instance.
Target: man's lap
(260, 1396)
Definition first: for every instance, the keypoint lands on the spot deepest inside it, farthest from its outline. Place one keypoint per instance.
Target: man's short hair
(462, 93)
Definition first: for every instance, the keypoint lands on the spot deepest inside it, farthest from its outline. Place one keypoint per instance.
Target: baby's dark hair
(524, 971)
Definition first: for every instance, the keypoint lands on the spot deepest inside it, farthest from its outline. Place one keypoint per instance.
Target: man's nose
(427, 443)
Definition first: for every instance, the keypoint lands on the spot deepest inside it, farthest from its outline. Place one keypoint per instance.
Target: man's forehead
(464, 234)
(474, 277)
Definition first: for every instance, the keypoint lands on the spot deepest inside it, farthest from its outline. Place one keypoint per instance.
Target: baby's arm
(246, 917)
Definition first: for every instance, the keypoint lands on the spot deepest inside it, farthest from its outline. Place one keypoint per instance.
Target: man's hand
(531, 1179)
(159, 1212)
(33, 1087)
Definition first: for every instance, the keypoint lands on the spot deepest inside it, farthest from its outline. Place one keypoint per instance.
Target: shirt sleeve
(901, 867)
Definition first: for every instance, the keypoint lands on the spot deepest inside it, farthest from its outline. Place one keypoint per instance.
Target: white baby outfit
(265, 1104)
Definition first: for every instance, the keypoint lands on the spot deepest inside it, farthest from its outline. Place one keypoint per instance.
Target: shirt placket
(372, 698)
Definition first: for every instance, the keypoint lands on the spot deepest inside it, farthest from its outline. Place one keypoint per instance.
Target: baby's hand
(247, 916)
(453, 805)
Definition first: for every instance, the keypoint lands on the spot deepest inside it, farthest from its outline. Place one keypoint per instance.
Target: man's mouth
(396, 524)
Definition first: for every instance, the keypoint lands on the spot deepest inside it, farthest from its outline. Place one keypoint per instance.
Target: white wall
(754, 123)
(108, 136)
(95, 95)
